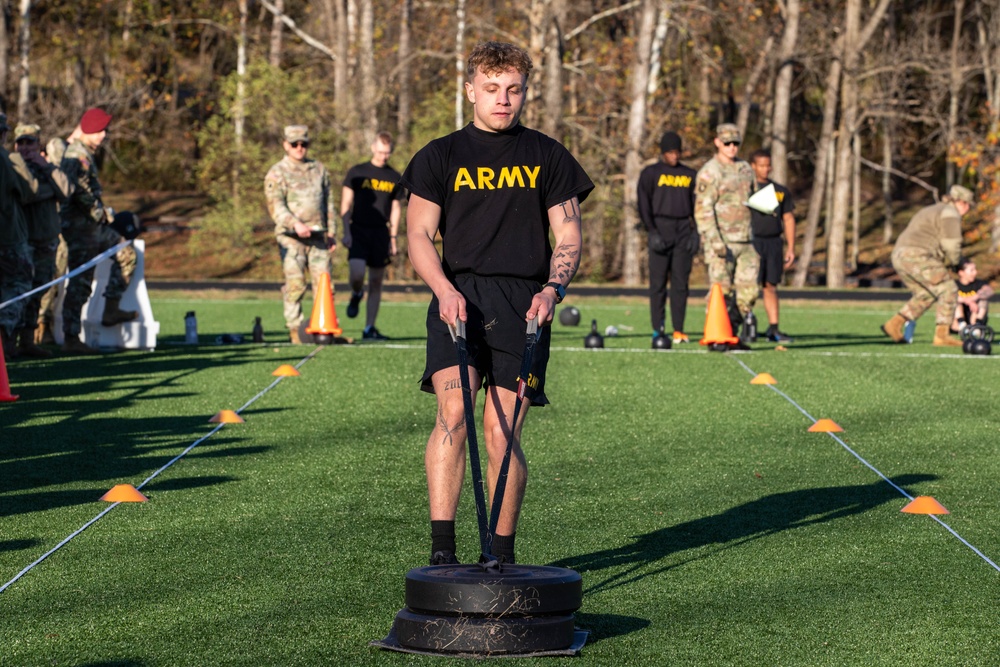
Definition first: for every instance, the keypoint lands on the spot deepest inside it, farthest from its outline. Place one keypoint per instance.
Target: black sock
(503, 545)
(442, 536)
(773, 328)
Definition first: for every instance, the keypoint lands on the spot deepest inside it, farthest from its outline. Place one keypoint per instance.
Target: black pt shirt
(495, 190)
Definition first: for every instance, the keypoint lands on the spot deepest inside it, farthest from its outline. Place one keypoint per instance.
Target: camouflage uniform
(42, 213)
(300, 191)
(85, 229)
(724, 224)
(930, 244)
(15, 253)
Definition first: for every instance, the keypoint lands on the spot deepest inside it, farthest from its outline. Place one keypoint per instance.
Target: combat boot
(27, 345)
(43, 334)
(293, 336)
(894, 328)
(73, 345)
(9, 349)
(942, 337)
(114, 315)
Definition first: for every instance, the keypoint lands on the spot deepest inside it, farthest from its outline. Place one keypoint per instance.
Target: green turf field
(709, 525)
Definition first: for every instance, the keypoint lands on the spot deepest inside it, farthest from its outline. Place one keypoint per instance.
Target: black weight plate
(514, 590)
(484, 636)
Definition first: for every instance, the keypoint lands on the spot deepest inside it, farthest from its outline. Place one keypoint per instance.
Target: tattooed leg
(444, 458)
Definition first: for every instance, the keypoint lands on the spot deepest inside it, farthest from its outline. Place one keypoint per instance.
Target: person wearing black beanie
(666, 205)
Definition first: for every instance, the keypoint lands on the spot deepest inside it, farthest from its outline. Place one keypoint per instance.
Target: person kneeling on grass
(973, 297)
(929, 245)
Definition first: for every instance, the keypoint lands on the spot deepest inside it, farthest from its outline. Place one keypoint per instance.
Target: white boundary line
(869, 465)
(151, 477)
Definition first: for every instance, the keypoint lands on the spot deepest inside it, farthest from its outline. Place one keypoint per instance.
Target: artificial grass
(709, 525)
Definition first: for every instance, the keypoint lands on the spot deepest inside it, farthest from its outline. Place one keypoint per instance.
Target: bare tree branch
(304, 36)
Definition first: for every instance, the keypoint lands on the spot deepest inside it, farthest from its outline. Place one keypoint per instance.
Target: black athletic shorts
(496, 332)
(370, 244)
(772, 258)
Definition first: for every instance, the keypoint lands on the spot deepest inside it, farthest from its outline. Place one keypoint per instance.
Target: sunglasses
(731, 143)
(299, 144)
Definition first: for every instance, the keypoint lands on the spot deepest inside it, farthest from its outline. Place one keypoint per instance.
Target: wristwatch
(560, 290)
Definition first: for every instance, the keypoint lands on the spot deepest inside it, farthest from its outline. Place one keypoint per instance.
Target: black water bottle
(750, 328)
(258, 331)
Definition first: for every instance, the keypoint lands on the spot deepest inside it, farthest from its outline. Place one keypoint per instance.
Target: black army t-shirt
(375, 188)
(666, 197)
(494, 190)
(768, 226)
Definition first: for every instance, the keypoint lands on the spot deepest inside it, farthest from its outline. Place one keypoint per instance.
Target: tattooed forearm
(565, 262)
(448, 432)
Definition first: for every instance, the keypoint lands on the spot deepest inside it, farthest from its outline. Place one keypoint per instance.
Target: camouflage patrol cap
(24, 130)
(959, 193)
(728, 132)
(296, 133)
(3, 123)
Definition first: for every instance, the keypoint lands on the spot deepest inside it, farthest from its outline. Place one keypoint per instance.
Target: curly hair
(493, 57)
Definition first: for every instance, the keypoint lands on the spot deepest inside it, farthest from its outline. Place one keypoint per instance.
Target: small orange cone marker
(717, 326)
(285, 370)
(825, 426)
(5, 395)
(124, 493)
(924, 505)
(324, 315)
(227, 417)
(763, 378)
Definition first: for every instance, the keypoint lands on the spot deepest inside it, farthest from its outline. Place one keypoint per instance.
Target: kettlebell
(981, 346)
(967, 345)
(980, 332)
(569, 316)
(593, 340)
(661, 341)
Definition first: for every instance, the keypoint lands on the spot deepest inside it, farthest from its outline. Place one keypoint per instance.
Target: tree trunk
(783, 91)
(368, 124)
(24, 43)
(656, 52)
(887, 183)
(856, 204)
(277, 30)
(954, 89)
(4, 50)
(631, 269)
(459, 63)
(552, 96)
(751, 84)
(404, 102)
(239, 108)
(854, 44)
(342, 96)
(830, 98)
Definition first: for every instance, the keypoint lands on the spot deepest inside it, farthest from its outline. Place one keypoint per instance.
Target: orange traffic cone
(324, 315)
(5, 395)
(124, 493)
(717, 326)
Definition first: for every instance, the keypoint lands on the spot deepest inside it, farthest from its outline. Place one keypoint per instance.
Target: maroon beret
(94, 120)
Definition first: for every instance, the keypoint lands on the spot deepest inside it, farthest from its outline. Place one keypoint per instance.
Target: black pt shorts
(772, 258)
(370, 244)
(495, 331)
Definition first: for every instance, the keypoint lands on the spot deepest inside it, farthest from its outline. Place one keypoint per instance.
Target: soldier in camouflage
(300, 202)
(15, 253)
(722, 188)
(86, 228)
(42, 212)
(924, 254)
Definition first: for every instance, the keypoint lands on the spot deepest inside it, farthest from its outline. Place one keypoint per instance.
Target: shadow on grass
(753, 520)
(74, 423)
(608, 626)
(18, 545)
